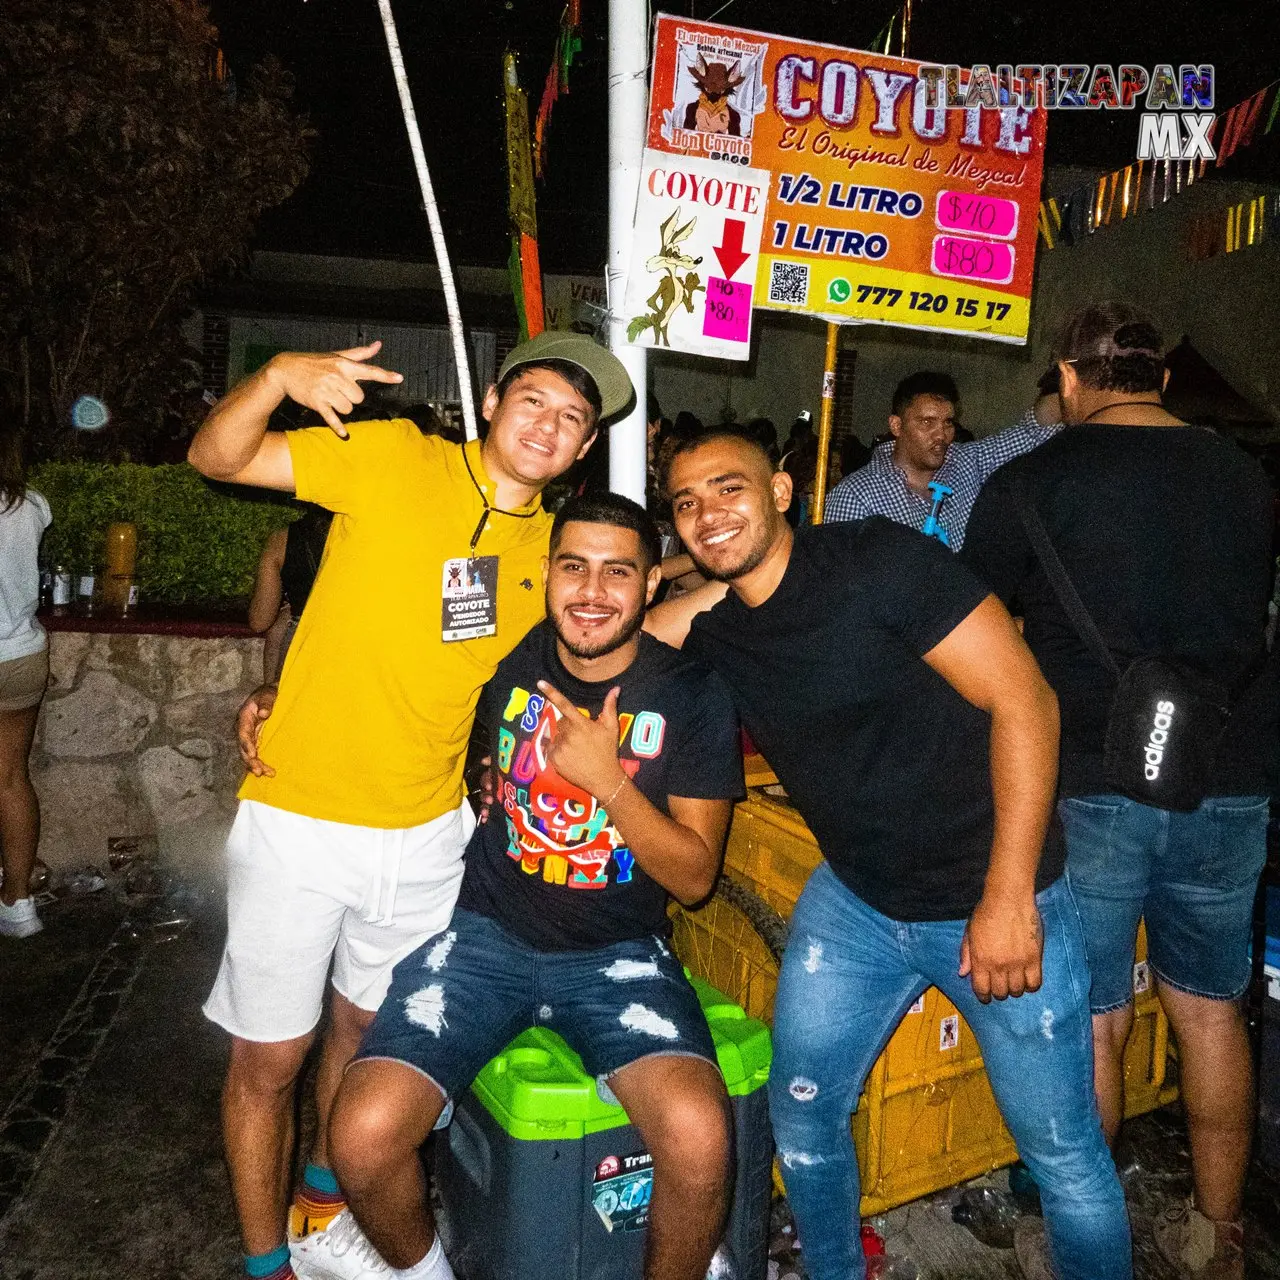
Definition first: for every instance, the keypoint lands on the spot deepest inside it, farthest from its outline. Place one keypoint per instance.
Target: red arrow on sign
(730, 252)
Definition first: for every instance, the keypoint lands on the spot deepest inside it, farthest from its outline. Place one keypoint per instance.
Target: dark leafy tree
(133, 167)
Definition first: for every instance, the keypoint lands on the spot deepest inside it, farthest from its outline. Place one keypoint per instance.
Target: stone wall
(136, 738)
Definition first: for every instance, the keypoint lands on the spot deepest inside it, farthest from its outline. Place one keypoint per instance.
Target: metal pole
(628, 63)
(825, 420)
(433, 220)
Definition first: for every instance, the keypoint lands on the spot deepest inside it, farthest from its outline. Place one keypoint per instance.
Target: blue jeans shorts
(469, 990)
(1192, 876)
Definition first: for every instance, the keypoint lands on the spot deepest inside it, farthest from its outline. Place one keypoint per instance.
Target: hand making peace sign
(329, 382)
(584, 751)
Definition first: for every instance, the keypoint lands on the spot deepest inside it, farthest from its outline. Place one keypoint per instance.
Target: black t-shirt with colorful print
(548, 865)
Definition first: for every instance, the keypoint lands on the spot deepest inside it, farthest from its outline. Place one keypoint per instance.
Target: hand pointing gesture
(329, 382)
(584, 751)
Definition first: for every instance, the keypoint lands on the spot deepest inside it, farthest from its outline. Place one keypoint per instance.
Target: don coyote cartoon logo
(712, 112)
(717, 91)
(678, 285)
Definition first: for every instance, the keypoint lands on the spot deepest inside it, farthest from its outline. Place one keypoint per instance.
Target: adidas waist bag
(1162, 733)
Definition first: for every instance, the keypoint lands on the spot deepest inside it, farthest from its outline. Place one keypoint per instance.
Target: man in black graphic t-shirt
(908, 721)
(616, 763)
(557, 873)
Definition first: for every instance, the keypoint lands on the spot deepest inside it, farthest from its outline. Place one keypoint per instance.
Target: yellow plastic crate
(1147, 1079)
(771, 850)
(927, 1118)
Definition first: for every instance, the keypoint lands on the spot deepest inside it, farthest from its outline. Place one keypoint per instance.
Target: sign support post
(826, 419)
(628, 117)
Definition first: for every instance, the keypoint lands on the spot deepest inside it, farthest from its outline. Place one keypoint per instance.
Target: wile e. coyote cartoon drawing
(674, 288)
(711, 111)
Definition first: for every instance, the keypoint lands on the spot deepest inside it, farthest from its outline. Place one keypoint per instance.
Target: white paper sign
(694, 257)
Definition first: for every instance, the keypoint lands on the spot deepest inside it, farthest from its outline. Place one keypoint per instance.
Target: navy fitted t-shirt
(885, 761)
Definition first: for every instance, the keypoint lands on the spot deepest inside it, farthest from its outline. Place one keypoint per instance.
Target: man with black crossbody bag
(1138, 550)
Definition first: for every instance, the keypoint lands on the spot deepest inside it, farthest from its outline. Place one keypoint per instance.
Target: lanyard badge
(469, 598)
(469, 590)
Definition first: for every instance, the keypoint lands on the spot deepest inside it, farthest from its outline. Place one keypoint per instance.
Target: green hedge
(198, 542)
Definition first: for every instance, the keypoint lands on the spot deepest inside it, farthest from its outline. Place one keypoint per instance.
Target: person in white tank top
(24, 672)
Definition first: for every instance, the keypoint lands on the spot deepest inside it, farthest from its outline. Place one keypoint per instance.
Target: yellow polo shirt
(375, 707)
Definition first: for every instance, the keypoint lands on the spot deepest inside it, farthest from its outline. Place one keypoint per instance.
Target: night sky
(362, 196)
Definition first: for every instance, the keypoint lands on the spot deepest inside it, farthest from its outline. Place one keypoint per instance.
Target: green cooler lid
(536, 1088)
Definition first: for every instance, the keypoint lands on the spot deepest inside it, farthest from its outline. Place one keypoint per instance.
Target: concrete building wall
(423, 353)
(784, 375)
(1228, 305)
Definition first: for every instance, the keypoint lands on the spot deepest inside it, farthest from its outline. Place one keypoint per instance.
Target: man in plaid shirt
(895, 483)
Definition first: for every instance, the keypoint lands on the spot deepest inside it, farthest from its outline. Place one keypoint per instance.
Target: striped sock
(317, 1178)
(269, 1266)
(319, 1200)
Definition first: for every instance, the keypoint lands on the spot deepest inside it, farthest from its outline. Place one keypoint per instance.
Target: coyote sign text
(697, 241)
(883, 204)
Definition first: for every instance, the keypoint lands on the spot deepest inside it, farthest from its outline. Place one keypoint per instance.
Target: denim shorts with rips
(469, 990)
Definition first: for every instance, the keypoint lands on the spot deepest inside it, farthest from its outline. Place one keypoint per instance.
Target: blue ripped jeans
(848, 977)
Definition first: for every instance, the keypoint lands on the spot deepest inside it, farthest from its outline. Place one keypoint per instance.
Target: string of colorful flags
(523, 264)
(568, 46)
(1068, 219)
(527, 155)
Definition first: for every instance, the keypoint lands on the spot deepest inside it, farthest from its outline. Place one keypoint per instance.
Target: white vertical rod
(433, 220)
(628, 104)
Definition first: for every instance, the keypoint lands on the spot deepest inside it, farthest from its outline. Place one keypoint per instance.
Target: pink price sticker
(973, 214)
(967, 259)
(728, 310)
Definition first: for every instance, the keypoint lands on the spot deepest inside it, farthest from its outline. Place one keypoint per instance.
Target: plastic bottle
(62, 588)
(933, 524)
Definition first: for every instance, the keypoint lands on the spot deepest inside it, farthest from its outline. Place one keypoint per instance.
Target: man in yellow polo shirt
(348, 843)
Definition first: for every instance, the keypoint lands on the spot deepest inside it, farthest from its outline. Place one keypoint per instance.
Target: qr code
(789, 282)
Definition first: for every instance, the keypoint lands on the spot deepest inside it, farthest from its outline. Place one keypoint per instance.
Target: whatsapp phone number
(923, 300)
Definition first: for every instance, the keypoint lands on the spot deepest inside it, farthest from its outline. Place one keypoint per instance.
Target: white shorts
(302, 892)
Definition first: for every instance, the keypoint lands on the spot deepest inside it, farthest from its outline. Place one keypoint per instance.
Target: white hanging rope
(433, 219)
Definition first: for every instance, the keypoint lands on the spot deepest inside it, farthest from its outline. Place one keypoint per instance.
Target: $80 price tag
(728, 310)
(967, 258)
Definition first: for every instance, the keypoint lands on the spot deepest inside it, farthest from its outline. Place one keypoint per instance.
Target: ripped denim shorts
(463, 995)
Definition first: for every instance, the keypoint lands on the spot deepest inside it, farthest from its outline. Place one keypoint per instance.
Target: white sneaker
(340, 1252)
(19, 920)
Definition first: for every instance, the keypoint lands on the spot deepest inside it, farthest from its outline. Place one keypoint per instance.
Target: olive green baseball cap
(606, 370)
